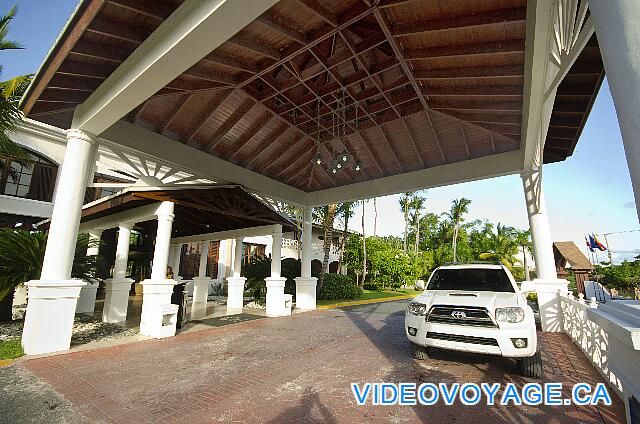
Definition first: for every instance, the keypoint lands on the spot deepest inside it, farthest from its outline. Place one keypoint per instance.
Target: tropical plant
(404, 201)
(22, 254)
(459, 207)
(10, 91)
(327, 214)
(416, 205)
(345, 211)
(503, 246)
(364, 246)
(523, 239)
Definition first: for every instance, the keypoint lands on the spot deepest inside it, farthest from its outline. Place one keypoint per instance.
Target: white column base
(155, 293)
(235, 294)
(548, 302)
(87, 299)
(116, 299)
(200, 294)
(306, 292)
(275, 296)
(50, 311)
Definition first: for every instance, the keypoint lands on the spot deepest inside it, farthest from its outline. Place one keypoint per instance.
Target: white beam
(158, 146)
(459, 172)
(140, 214)
(193, 31)
(225, 235)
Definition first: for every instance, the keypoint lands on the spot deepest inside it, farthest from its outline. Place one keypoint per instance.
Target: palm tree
(416, 205)
(364, 246)
(10, 92)
(21, 256)
(404, 201)
(503, 246)
(523, 239)
(459, 207)
(328, 214)
(375, 216)
(345, 211)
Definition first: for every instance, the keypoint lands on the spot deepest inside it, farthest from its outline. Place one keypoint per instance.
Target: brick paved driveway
(295, 369)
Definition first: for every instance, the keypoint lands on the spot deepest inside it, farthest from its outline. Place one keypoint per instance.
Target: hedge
(337, 286)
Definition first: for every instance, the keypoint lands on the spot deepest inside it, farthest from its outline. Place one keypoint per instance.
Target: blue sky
(589, 192)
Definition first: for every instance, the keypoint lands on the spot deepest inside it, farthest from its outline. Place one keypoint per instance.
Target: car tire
(531, 366)
(419, 352)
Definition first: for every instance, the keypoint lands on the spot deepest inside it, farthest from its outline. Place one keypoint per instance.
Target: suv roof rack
(473, 263)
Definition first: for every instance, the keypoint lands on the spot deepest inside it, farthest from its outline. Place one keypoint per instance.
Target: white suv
(475, 308)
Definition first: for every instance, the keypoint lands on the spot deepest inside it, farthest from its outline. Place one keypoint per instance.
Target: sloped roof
(572, 254)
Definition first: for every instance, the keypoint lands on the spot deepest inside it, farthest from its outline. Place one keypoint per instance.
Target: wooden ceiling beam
(270, 140)
(463, 104)
(280, 155)
(156, 9)
(469, 72)
(205, 115)
(475, 49)
(248, 135)
(116, 30)
(518, 14)
(474, 90)
(227, 125)
(255, 46)
(231, 62)
(66, 82)
(384, 25)
(319, 10)
(276, 24)
(175, 111)
(85, 70)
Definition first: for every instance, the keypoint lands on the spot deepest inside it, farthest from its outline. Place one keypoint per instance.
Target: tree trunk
(343, 240)
(406, 227)
(364, 249)
(524, 264)
(417, 238)
(328, 239)
(455, 243)
(6, 307)
(375, 217)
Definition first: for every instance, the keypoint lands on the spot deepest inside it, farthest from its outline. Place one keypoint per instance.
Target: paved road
(289, 369)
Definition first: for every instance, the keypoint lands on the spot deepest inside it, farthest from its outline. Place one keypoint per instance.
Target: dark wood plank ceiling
(429, 82)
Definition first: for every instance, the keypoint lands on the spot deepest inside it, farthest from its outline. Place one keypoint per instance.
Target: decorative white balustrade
(317, 248)
(587, 334)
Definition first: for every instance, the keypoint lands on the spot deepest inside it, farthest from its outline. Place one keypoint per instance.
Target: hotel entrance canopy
(426, 93)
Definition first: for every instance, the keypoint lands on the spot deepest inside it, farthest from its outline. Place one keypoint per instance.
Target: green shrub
(370, 285)
(338, 286)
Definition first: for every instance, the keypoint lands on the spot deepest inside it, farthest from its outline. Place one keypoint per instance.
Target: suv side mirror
(527, 287)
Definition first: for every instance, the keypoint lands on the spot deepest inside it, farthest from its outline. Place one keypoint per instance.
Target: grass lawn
(371, 295)
(11, 349)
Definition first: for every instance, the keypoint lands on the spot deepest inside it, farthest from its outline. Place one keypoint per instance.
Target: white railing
(590, 337)
(316, 247)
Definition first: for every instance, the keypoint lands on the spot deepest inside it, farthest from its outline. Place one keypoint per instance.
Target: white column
(87, 299)
(547, 283)
(235, 284)
(176, 257)
(275, 283)
(116, 297)
(222, 259)
(156, 291)
(618, 32)
(201, 285)
(306, 284)
(52, 299)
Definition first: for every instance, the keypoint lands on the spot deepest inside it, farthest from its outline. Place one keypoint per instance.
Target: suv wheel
(419, 352)
(531, 366)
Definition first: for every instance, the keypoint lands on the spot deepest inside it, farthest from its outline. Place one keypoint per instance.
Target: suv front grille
(462, 339)
(448, 314)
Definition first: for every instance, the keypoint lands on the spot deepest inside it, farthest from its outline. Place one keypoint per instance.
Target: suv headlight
(514, 314)
(416, 308)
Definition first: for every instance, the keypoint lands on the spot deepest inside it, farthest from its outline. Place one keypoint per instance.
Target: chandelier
(343, 159)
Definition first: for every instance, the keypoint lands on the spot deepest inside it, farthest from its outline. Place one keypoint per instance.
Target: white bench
(163, 321)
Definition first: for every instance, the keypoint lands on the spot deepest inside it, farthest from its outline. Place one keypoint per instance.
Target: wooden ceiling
(197, 211)
(430, 82)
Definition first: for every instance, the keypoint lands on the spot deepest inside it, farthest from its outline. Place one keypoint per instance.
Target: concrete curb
(365, 302)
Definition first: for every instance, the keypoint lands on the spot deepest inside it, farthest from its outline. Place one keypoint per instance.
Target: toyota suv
(475, 308)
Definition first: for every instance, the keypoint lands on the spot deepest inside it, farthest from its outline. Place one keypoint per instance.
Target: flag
(592, 242)
(601, 247)
(586, 240)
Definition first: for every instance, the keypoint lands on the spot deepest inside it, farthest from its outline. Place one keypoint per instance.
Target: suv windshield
(472, 279)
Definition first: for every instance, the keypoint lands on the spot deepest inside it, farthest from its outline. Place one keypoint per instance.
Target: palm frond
(14, 88)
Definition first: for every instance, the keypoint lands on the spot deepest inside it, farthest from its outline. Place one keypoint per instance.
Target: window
(472, 279)
(34, 181)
